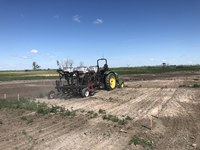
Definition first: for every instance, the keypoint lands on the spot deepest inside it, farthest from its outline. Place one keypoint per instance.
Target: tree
(164, 65)
(35, 66)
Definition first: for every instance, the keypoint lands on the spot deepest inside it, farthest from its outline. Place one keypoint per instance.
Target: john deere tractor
(85, 81)
(107, 78)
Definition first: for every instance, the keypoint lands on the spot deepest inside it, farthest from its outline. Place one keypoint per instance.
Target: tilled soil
(26, 88)
(174, 112)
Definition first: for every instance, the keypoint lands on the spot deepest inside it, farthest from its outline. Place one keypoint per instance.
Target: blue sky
(126, 32)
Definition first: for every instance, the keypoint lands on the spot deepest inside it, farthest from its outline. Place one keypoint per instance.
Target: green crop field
(155, 69)
(52, 74)
(28, 75)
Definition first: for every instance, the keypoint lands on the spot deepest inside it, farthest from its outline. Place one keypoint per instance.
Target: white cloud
(98, 21)
(76, 18)
(34, 51)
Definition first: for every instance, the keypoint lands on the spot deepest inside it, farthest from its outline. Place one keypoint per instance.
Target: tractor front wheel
(110, 81)
(121, 84)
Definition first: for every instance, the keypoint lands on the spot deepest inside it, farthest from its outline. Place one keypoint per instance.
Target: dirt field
(174, 111)
(26, 88)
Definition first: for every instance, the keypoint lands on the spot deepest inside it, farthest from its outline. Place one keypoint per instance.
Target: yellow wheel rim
(122, 86)
(112, 82)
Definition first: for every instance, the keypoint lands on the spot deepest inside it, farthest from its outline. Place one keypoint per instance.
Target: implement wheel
(110, 82)
(85, 92)
(51, 95)
(91, 93)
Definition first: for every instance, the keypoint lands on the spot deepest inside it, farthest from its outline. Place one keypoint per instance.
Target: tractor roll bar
(101, 60)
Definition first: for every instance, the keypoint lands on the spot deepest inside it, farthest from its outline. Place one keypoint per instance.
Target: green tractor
(85, 81)
(107, 78)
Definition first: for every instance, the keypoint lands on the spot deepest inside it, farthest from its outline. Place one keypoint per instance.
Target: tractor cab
(108, 78)
(102, 65)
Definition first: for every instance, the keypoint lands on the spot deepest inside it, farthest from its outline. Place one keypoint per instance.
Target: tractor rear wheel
(110, 82)
(85, 92)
